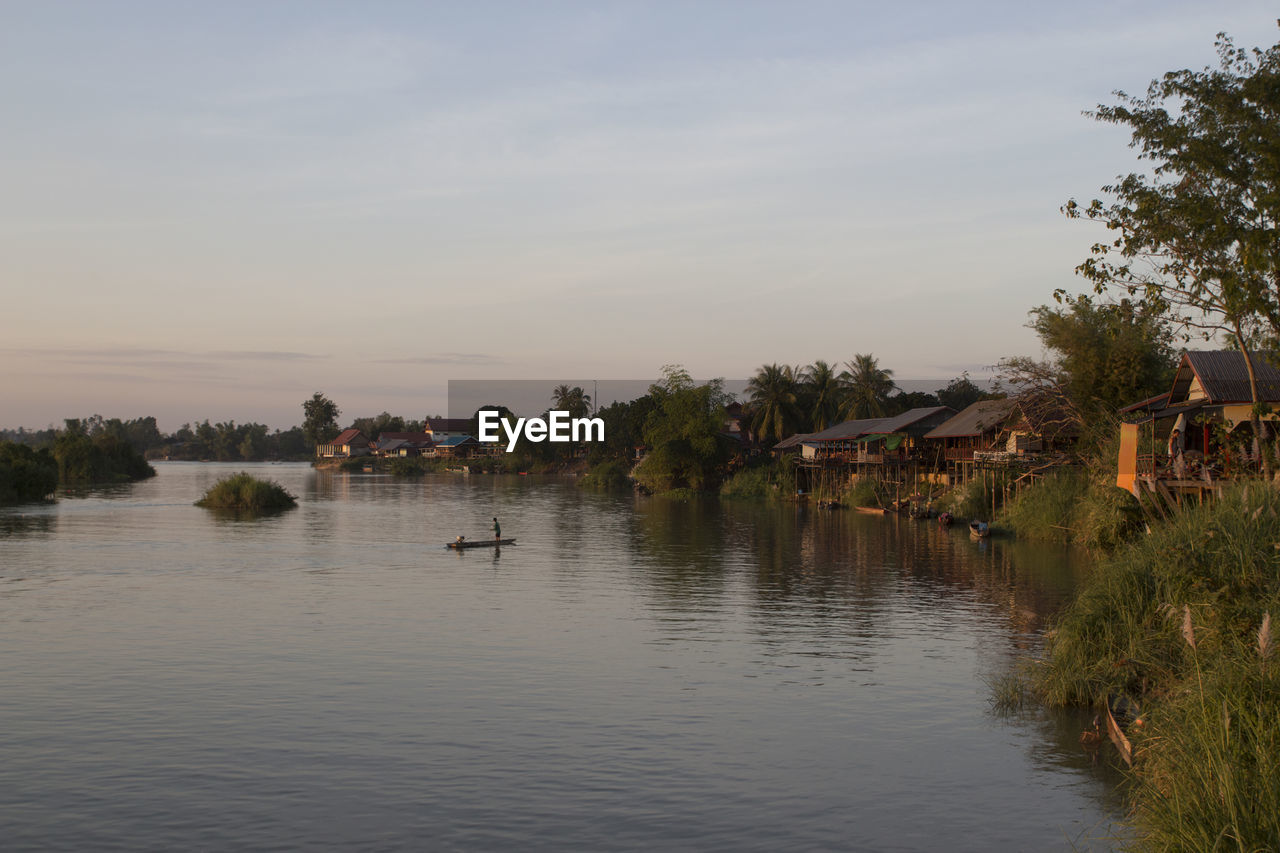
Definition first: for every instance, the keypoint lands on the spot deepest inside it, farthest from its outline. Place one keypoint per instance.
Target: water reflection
(26, 524)
(759, 676)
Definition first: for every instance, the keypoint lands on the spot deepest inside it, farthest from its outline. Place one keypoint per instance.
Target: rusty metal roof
(975, 420)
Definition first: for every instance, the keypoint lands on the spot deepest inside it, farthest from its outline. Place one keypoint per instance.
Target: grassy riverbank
(1180, 620)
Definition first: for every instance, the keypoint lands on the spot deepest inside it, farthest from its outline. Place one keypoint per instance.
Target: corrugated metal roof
(792, 441)
(848, 429)
(975, 420)
(909, 417)
(1225, 378)
(454, 441)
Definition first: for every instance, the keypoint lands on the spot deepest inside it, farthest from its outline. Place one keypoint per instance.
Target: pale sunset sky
(212, 210)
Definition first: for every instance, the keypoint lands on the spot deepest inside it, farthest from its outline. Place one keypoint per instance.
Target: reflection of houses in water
(1210, 406)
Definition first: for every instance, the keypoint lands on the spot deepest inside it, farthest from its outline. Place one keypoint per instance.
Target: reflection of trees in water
(863, 560)
(682, 546)
(22, 525)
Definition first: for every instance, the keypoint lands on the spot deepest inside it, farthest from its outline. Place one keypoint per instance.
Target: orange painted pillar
(1128, 476)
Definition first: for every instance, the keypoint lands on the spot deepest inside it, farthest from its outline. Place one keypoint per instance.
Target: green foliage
(575, 401)
(378, 424)
(977, 498)
(101, 458)
(319, 419)
(822, 395)
(1180, 620)
(1045, 512)
(623, 430)
(1108, 355)
(26, 475)
(774, 392)
(229, 442)
(863, 493)
(905, 401)
(868, 387)
(1199, 236)
(684, 434)
(770, 478)
(247, 493)
(610, 474)
(961, 393)
(1071, 507)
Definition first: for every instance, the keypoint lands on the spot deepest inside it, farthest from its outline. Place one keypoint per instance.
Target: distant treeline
(224, 442)
(83, 452)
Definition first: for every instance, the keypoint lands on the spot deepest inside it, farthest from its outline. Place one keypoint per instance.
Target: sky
(214, 210)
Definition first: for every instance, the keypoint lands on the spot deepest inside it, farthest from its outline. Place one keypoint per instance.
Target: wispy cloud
(465, 358)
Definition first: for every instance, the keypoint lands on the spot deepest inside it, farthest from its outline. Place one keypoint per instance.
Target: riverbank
(1180, 621)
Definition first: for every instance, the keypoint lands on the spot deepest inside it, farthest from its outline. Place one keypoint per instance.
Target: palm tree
(573, 400)
(773, 391)
(868, 387)
(824, 394)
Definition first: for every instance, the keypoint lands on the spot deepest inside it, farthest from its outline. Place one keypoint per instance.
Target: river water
(633, 674)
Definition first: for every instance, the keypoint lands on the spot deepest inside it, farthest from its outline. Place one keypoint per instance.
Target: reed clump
(244, 492)
(1181, 621)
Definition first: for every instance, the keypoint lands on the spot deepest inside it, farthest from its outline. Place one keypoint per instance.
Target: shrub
(244, 492)
(612, 474)
(766, 479)
(26, 474)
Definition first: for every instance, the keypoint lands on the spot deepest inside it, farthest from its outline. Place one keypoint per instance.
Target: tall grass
(1072, 507)
(247, 493)
(863, 493)
(1180, 619)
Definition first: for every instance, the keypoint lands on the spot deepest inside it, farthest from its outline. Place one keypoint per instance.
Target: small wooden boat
(479, 543)
(872, 510)
(1130, 715)
(979, 529)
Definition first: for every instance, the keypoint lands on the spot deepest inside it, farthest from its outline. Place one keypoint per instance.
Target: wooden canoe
(1118, 738)
(479, 543)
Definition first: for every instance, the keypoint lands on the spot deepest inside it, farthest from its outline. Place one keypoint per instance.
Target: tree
(961, 393)
(377, 425)
(774, 401)
(1199, 236)
(26, 474)
(867, 387)
(320, 419)
(573, 400)
(684, 433)
(1108, 354)
(823, 394)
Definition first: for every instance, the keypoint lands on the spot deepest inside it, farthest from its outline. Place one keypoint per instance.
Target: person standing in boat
(497, 531)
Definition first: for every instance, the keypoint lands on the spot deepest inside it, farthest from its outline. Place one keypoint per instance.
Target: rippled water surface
(633, 674)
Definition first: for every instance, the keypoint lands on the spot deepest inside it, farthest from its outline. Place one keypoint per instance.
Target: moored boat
(979, 529)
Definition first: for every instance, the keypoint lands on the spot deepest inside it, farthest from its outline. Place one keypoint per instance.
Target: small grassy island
(246, 493)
